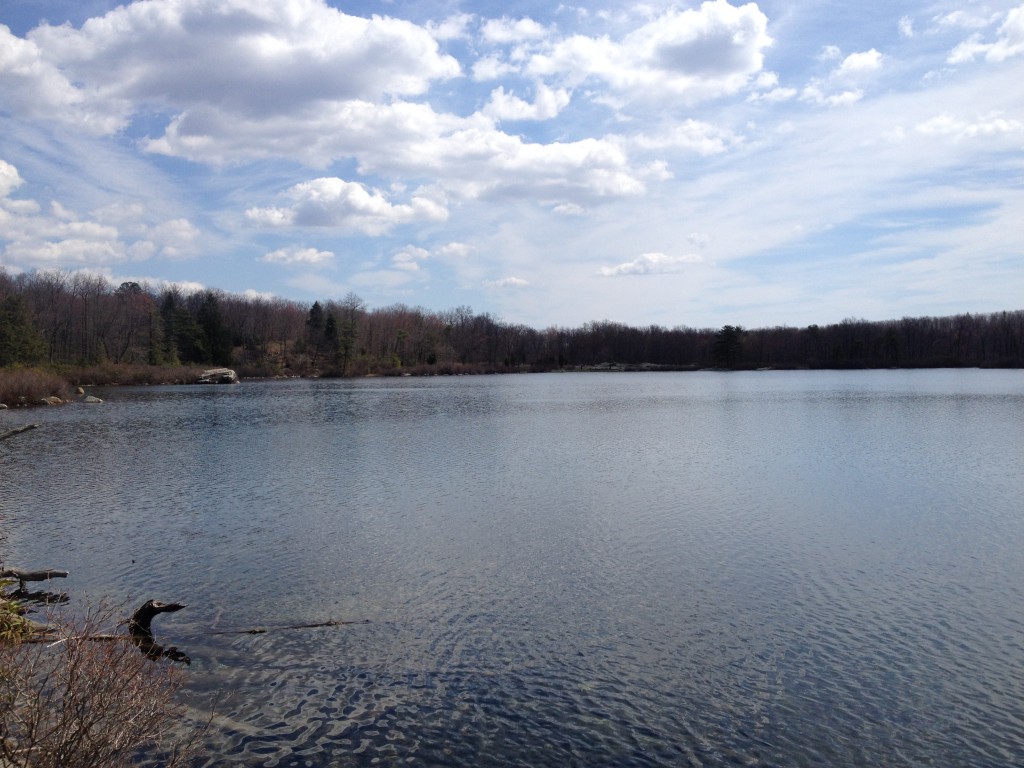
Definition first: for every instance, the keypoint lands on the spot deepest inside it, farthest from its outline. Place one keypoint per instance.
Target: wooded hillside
(79, 320)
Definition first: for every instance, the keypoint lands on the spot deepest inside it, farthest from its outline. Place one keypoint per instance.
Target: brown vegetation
(76, 702)
(28, 386)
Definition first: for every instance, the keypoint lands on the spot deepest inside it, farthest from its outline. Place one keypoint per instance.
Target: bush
(75, 702)
(132, 375)
(27, 386)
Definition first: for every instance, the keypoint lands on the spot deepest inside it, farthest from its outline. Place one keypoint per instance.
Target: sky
(680, 164)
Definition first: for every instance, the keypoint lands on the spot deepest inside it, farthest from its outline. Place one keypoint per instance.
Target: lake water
(706, 569)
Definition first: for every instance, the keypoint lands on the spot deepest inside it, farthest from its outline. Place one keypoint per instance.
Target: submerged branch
(17, 431)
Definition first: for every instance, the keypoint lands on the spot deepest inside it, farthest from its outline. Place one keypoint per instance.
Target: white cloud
(692, 136)
(650, 264)
(546, 105)
(452, 28)
(214, 67)
(294, 255)
(32, 84)
(768, 91)
(1009, 42)
(507, 282)
(254, 295)
(182, 52)
(39, 237)
(857, 64)
(409, 258)
(844, 85)
(989, 125)
(506, 30)
(569, 209)
(906, 27)
(963, 19)
(454, 251)
(696, 54)
(10, 179)
(830, 53)
(492, 67)
(814, 93)
(334, 202)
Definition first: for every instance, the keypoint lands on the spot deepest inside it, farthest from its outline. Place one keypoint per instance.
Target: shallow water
(772, 568)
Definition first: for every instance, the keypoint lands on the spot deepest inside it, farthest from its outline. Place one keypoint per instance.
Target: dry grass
(27, 386)
(75, 702)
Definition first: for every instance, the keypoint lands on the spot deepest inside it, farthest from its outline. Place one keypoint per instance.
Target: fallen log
(22, 576)
(17, 431)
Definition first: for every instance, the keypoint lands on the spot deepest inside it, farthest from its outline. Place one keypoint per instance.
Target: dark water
(772, 569)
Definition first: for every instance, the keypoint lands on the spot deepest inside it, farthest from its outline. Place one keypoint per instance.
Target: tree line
(75, 319)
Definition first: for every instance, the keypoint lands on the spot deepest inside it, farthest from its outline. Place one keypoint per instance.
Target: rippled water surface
(710, 569)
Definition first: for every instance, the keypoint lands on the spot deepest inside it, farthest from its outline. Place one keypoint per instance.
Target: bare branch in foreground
(82, 704)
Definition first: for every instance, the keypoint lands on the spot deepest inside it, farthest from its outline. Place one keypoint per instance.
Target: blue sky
(772, 163)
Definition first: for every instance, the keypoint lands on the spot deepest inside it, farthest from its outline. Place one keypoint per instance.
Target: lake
(603, 569)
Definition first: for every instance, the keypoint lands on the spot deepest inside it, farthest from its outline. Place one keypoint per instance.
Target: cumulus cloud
(454, 251)
(409, 258)
(239, 81)
(10, 179)
(293, 255)
(506, 30)
(696, 53)
(857, 64)
(454, 27)
(768, 91)
(547, 104)
(178, 53)
(32, 84)
(492, 67)
(844, 84)
(1009, 42)
(650, 264)
(334, 202)
(254, 295)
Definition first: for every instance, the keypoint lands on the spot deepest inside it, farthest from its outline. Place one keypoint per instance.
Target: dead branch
(264, 630)
(22, 576)
(17, 431)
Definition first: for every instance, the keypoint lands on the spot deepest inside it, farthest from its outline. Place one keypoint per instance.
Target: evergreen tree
(217, 336)
(728, 345)
(19, 340)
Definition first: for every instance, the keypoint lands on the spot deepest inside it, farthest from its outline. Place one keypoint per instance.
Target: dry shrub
(75, 702)
(21, 386)
(133, 375)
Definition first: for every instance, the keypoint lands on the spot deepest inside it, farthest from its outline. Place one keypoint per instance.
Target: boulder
(91, 399)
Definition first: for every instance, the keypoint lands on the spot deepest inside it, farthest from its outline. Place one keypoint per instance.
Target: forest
(75, 322)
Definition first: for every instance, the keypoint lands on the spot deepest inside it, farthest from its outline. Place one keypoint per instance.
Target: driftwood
(140, 633)
(23, 576)
(17, 431)
(140, 629)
